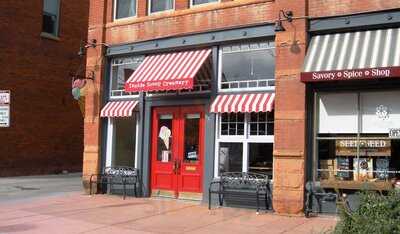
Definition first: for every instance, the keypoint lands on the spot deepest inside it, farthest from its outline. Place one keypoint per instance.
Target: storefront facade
(189, 105)
(354, 86)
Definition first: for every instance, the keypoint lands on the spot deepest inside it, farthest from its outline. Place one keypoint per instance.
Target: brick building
(187, 90)
(38, 49)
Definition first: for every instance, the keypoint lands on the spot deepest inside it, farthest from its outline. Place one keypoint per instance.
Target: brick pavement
(76, 213)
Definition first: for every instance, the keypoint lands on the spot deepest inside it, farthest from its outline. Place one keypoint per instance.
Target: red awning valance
(118, 109)
(169, 71)
(261, 102)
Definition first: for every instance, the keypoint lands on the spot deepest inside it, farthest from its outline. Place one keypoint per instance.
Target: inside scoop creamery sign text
(357, 74)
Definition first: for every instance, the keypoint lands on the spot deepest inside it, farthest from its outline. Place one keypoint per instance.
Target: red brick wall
(183, 21)
(46, 134)
(318, 8)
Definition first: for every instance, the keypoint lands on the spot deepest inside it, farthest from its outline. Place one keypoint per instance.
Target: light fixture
(287, 15)
(90, 44)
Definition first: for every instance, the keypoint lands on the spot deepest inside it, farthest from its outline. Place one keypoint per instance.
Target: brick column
(91, 155)
(289, 146)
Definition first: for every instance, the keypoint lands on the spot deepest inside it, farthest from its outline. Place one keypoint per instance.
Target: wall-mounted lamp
(90, 44)
(287, 15)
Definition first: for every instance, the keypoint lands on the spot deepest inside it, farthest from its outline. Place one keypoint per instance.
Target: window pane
(260, 158)
(224, 129)
(192, 126)
(270, 122)
(232, 124)
(164, 141)
(253, 129)
(124, 142)
(246, 66)
(240, 129)
(195, 2)
(50, 16)
(161, 5)
(261, 123)
(377, 160)
(125, 8)
(380, 111)
(121, 73)
(240, 117)
(230, 157)
(224, 117)
(338, 113)
(232, 129)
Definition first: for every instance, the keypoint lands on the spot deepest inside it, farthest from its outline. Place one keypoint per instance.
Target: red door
(177, 151)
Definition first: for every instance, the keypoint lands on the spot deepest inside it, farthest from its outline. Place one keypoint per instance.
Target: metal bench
(314, 190)
(241, 183)
(116, 176)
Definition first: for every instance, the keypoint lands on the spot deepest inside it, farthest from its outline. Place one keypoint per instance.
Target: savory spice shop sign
(356, 74)
(372, 147)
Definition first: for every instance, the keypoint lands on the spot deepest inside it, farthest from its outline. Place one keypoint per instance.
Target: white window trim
(203, 4)
(246, 139)
(159, 12)
(55, 36)
(220, 90)
(125, 18)
(110, 145)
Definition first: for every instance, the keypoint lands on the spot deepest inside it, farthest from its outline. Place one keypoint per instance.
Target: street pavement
(15, 189)
(64, 211)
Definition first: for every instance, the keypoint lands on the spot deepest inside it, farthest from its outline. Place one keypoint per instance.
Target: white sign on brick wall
(4, 108)
(4, 97)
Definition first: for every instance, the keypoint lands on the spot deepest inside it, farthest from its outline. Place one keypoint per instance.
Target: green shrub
(376, 214)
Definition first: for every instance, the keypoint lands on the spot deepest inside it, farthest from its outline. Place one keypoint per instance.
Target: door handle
(174, 167)
(178, 165)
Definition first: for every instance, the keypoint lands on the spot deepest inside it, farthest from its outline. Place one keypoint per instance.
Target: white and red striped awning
(260, 102)
(118, 109)
(168, 71)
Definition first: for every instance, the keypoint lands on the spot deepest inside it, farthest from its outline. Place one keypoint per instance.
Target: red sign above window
(354, 74)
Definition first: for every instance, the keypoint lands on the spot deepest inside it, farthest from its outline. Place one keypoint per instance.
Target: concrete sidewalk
(77, 213)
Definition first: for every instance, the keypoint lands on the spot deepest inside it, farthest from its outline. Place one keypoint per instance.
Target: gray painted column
(146, 124)
(208, 173)
(140, 155)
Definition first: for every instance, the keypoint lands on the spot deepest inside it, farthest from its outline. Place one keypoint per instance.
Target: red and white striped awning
(118, 109)
(168, 71)
(260, 102)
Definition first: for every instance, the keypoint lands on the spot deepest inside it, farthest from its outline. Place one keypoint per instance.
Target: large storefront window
(245, 142)
(249, 66)
(121, 144)
(353, 147)
(121, 70)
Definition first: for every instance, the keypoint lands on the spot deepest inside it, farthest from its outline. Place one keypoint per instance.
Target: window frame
(220, 67)
(110, 91)
(124, 18)
(245, 139)
(149, 12)
(111, 139)
(356, 136)
(203, 4)
(56, 35)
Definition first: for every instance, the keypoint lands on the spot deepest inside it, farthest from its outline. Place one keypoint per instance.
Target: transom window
(121, 70)
(124, 8)
(244, 142)
(247, 66)
(198, 2)
(161, 5)
(51, 12)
